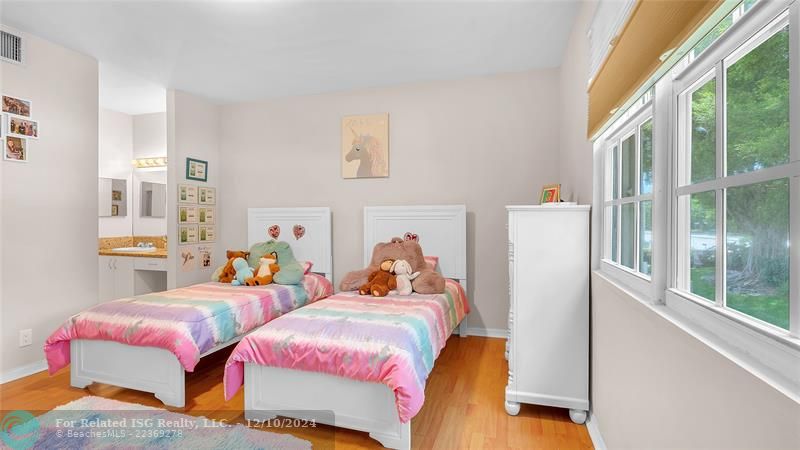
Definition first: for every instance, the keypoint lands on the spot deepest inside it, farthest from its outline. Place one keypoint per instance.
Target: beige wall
(484, 142)
(655, 386)
(192, 132)
(49, 205)
(575, 155)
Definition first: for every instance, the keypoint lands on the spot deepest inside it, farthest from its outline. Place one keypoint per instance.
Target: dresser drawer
(159, 264)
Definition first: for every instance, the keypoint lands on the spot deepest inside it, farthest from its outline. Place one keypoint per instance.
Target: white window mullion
(794, 182)
(720, 193)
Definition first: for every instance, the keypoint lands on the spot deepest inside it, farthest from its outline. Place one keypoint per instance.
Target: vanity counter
(159, 253)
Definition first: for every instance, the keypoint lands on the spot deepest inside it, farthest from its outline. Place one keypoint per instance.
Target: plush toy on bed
(243, 271)
(266, 271)
(427, 282)
(226, 273)
(402, 271)
(291, 271)
(381, 281)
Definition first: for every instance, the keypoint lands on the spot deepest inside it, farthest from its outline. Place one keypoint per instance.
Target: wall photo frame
(15, 149)
(187, 194)
(21, 127)
(207, 196)
(196, 169)
(17, 106)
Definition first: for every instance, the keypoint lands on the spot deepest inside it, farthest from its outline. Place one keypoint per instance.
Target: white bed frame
(156, 370)
(360, 405)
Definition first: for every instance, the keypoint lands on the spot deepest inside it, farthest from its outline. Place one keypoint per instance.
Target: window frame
(628, 125)
(767, 352)
(752, 30)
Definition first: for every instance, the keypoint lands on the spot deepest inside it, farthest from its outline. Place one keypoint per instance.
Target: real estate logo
(19, 430)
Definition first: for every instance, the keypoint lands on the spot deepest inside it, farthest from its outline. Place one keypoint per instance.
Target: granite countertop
(107, 244)
(159, 253)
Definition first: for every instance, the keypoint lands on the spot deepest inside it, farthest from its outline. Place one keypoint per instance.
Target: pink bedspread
(392, 340)
(186, 321)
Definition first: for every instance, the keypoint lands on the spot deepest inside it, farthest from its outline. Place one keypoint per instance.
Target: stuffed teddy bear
(291, 271)
(381, 281)
(243, 271)
(226, 273)
(427, 282)
(266, 271)
(402, 271)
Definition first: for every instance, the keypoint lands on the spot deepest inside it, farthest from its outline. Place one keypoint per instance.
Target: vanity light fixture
(146, 163)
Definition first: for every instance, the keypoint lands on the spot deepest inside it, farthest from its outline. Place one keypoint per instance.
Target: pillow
(306, 266)
(432, 261)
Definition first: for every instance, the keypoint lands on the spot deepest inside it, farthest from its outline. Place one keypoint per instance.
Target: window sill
(638, 283)
(773, 359)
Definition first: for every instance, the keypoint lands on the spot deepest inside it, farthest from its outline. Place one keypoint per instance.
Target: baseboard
(488, 332)
(594, 432)
(23, 371)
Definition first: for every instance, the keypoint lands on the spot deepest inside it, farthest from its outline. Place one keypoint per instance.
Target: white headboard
(314, 244)
(441, 230)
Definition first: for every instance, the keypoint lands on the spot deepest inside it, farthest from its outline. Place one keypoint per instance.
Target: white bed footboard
(357, 405)
(148, 369)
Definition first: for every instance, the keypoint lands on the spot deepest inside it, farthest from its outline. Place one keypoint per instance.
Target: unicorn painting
(364, 146)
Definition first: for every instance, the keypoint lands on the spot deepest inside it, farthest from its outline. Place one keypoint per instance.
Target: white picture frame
(26, 102)
(207, 196)
(187, 194)
(206, 215)
(11, 118)
(23, 142)
(207, 233)
(187, 234)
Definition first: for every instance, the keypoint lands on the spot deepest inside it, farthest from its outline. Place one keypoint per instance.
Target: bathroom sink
(134, 249)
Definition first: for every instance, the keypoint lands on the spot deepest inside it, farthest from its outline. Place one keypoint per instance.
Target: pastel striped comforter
(392, 340)
(186, 321)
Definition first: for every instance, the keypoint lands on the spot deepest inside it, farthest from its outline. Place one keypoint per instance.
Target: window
(735, 171)
(628, 205)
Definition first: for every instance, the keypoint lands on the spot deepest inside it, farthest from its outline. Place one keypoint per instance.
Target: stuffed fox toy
(267, 268)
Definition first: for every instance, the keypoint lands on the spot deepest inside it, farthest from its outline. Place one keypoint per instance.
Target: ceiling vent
(11, 47)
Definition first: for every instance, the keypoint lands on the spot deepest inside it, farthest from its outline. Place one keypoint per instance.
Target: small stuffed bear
(243, 271)
(266, 270)
(403, 272)
(381, 281)
(226, 273)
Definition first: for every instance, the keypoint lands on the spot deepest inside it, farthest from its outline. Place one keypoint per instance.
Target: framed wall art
(196, 169)
(365, 146)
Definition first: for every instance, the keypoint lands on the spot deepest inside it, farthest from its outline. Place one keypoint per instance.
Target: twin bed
(301, 351)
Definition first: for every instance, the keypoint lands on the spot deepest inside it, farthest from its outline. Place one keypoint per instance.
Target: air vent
(10, 47)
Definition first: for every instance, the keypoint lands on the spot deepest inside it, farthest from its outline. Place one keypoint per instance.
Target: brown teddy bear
(428, 282)
(268, 267)
(228, 272)
(381, 281)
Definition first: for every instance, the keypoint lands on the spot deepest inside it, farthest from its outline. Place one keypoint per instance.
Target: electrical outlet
(25, 337)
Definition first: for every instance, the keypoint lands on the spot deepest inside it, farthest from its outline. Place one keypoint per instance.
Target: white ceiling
(121, 90)
(233, 51)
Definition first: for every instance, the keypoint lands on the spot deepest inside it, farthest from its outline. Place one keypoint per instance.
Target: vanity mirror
(153, 201)
(112, 197)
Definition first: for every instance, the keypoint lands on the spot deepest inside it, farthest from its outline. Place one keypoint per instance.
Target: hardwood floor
(463, 407)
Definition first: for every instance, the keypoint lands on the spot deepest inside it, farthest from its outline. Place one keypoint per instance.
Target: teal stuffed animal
(243, 271)
(291, 270)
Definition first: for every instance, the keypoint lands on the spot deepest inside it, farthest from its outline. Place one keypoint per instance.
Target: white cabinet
(548, 347)
(116, 277)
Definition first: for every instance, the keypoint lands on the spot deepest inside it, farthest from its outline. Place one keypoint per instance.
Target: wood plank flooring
(463, 407)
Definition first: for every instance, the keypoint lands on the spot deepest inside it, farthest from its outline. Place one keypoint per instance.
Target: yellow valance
(653, 28)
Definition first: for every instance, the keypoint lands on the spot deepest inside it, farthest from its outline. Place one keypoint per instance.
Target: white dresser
(548, 320)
